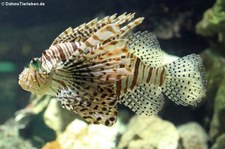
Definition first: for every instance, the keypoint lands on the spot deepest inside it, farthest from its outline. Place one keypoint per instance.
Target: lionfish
(97, 65)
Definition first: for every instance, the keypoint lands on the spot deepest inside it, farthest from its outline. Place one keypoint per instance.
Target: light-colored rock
(80, 135)
(149, 133)
(192, 136)
(56, 117)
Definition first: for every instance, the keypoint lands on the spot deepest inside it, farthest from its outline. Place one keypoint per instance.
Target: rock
(79, 134)
(220, 142)
(31, 122)
(10, 139)
(56, 117)
(149, 133)
(192, 136)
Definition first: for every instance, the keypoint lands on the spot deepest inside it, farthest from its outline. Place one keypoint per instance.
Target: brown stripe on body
(69, 47)
(49, 53)
(162, 77)
(149, 74)
(62, 55)
(54, 54)
(47, 57)
(65, 49)
(143, 72)
(118, 87)
(135, 76)
(74, 47)
(156, 75)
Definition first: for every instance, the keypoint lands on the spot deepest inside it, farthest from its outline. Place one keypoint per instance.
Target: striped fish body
(141, 74)
(141, 91)
(58, 53)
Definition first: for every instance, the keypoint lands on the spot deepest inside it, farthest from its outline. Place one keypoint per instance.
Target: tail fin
(185, 81)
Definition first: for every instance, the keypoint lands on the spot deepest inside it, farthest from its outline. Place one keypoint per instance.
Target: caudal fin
(185, 82)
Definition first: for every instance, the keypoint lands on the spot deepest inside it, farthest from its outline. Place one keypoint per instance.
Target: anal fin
(144, 99)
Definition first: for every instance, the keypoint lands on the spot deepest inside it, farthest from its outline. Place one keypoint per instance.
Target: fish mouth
(25, 80)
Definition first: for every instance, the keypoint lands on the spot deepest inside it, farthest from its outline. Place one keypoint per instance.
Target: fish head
(34, 78)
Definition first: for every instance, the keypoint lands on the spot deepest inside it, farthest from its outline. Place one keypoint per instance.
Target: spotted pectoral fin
(146, 47)
(98, 114)
(96, 105)
(144, 99)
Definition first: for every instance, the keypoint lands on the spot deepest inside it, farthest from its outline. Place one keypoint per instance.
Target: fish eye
(35, 63)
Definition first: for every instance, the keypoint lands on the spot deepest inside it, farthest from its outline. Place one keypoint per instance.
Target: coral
(214, 64)
(79, 134)
(213, 20)
(218, 121)
(192, 136)
(149, 133)
(213, 23)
